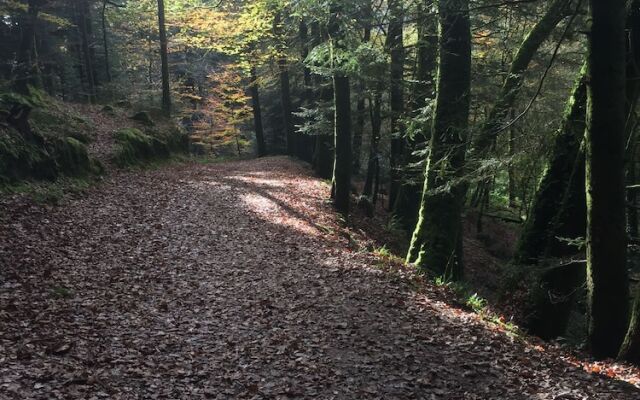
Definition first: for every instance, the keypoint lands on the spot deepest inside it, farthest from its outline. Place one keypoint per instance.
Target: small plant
(477, 303)
(394, 225)
(382, 252)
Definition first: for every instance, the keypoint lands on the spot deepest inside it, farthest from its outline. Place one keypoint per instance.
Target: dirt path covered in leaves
(232, 281)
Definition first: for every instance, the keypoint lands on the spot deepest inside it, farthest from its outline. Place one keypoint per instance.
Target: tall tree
(164, 57)
(396, 97)
(27, 67)
(285, 86)
(257, 113)
(607, 280)
(436, 244)
(484, 140)
(407, 204)
(341, 183)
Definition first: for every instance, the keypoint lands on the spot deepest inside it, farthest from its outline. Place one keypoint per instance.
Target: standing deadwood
(164, 57)
(436, 244)
(257, 113)
(396, 50)
(484, 139)
(607, 280)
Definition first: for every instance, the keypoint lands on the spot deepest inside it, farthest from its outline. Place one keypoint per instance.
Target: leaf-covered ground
(235, 281)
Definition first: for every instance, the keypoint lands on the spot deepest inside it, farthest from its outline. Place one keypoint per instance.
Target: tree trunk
(630, 349)
(105, 42)
(26, 69)
(437, 240)
(548, 199)
(484, 139)
(305, 142)
(342, 163)
(607, 280)
(373, 164)
(164, 58)
(257, 114)
(84, 20)
(396, 50)
(360, 109)
(407, 204)
(285, 89)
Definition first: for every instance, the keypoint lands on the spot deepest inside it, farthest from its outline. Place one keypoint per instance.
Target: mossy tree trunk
(407, 204)
(396, 96)
(484, 140)
(164, 58)
(436, 243)
(257, 113)
(548, 199)
(607, 280)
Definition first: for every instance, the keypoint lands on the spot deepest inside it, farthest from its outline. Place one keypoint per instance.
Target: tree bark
(607, 280)
(257, 114)
(407, 204)
(285, 89)
(537, 231)
(26, 70)
(164, 58)
(342, 163)
(396, 49)
(486, 137)
(436, 244)
(105, 42)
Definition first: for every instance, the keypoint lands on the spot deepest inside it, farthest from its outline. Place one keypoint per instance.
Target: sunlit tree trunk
(437, 240)
(607, 280)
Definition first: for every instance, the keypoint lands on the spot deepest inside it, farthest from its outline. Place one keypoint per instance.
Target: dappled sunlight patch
(270, 211)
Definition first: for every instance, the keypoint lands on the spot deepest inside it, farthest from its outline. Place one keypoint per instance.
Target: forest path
(229, 281)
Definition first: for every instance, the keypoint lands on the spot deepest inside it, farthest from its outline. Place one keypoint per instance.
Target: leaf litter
(238, 281)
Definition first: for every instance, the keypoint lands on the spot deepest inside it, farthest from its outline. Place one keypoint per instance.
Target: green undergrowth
(470, 299)
(42, 140)
(137, 148)
(52, 193)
